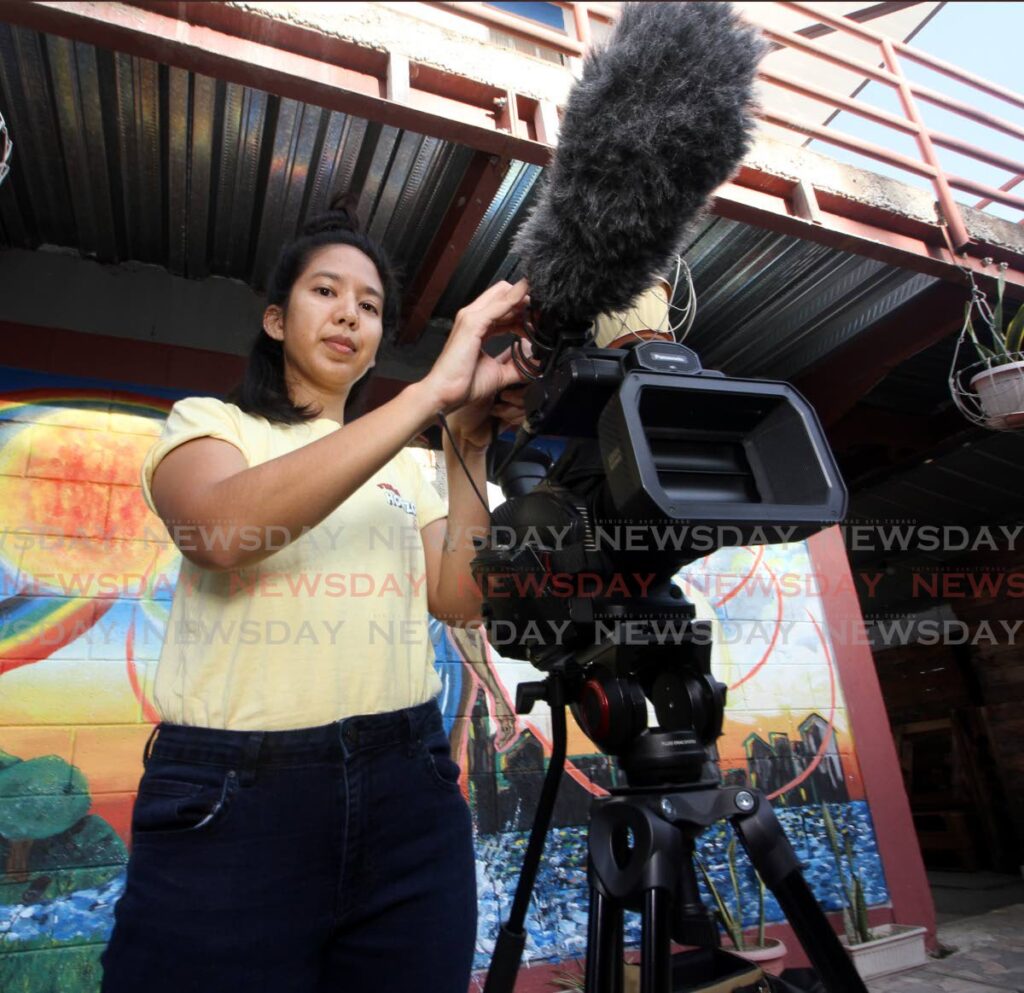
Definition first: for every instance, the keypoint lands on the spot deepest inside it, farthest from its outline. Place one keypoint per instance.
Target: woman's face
(332, 327)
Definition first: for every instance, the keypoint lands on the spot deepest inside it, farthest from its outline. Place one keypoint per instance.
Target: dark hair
(263, 390)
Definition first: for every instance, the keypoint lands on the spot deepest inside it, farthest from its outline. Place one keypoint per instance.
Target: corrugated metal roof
(487, 258)
(124, 159)
(771, 305)
(978, 482)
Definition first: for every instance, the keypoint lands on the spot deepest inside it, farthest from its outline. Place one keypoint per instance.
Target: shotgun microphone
(660, 117)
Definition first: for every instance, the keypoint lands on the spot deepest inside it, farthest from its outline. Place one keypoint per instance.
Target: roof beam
(765, 200)
(253, 51)
(834, 385)
(476, 192)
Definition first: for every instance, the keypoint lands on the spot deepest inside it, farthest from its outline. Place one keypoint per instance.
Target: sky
(983, 38)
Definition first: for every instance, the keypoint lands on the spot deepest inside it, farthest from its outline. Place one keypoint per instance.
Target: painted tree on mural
(45, 828)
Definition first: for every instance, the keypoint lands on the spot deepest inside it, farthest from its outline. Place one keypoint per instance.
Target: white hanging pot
(1000, 390)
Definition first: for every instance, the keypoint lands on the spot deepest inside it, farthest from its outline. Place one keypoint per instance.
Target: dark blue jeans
(334, 859)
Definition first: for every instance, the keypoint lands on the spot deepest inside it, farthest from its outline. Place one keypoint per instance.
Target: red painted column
(872, 737)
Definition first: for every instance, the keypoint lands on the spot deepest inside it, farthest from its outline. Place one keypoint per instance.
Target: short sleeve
(191, 418)
(430, 506)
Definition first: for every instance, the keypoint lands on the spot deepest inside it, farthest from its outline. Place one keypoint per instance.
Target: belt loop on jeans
(413, 735)
(250, 756)
(148, 750)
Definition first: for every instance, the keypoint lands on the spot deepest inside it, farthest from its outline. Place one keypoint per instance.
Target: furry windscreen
(661, 117)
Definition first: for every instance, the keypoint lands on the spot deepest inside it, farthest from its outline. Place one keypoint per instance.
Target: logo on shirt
(396, 499)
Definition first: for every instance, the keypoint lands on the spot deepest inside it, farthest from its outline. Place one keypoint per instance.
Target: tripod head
(688, 701)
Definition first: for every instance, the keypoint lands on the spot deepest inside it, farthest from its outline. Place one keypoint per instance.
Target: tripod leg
(508, 949)
(635, 858)
(693, 923)
(656, 950)
(776, 862)
(604, 943)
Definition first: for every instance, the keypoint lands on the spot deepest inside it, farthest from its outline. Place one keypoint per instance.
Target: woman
(299, 825)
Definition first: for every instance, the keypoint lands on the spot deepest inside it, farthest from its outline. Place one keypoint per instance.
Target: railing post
(954, 220)
(581, 15)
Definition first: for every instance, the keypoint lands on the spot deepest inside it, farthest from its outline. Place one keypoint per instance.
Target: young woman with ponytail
(300, 825)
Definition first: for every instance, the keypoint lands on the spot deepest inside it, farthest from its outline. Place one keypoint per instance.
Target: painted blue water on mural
(556, 924)
(557, 921)
(83, 916)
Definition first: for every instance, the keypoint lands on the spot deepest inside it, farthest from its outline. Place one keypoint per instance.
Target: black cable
(530, 367)
(458, 455)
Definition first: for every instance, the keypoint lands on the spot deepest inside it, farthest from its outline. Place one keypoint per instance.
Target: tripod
(655, 874)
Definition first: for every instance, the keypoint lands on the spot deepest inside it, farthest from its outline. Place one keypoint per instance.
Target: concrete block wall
(81, 560)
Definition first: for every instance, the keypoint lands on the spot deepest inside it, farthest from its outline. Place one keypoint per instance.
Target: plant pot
(896, 948)
(771, 957)
(1000, 392)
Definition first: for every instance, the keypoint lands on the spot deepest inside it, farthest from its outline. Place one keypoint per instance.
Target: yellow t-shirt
(330, 625)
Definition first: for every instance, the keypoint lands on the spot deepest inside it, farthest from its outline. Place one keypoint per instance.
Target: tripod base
(641, 848)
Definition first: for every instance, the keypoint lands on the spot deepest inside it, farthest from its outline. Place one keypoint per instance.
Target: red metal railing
(891, 55)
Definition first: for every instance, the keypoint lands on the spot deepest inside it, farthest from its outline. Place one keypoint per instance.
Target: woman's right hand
(463, 373)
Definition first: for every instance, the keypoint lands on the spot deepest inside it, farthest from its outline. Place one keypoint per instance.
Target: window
(548, 14)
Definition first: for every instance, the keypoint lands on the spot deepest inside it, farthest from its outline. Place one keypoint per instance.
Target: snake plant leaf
(733, 927)
(832, 833)
(997, 312)
(984, 352)
(760, 912)
(860, 912)
(1015, 332)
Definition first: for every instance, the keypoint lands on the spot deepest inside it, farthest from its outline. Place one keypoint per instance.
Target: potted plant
(878, 951)
(998, 377)
(768, 953)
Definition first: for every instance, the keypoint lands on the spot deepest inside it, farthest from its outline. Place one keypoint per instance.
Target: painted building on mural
(87, 578)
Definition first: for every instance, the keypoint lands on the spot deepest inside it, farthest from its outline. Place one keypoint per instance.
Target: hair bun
(342, 214)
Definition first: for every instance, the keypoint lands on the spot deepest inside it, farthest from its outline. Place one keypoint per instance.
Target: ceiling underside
(122, 159)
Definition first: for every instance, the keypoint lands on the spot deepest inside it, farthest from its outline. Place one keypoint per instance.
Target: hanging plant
(990, 391)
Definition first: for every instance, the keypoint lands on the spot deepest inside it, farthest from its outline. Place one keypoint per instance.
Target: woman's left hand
(471, 424)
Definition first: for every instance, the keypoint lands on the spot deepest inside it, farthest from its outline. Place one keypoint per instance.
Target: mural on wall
(85, 582)
(86, 579)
